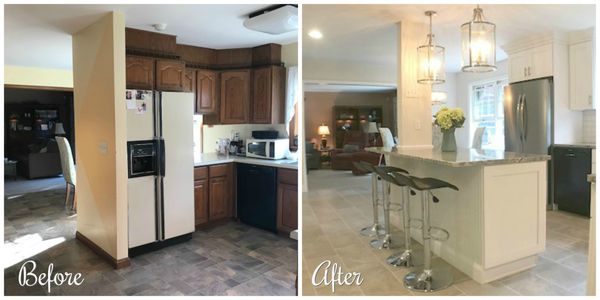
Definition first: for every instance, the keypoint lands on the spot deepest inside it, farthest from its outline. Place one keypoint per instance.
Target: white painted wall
(348, 71)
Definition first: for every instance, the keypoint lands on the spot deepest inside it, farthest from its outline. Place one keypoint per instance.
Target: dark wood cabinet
(201, 201)
(206, 91)
(139, 72)
(218, 198)
(268, 95)
(235, 96)
(189, 81)
(170, 75)
(287, 200)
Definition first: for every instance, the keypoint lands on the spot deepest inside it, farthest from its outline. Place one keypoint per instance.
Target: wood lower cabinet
(213, 196)
(170, 75)
(287, 200)
(235, 97)
(206, 91)
(268, 95)
(139, 72)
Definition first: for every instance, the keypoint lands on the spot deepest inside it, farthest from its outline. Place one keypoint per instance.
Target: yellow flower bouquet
(449, 118)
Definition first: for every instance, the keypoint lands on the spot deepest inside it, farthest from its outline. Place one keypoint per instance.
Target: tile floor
(338, 205)
(232, 259)
(24, 185)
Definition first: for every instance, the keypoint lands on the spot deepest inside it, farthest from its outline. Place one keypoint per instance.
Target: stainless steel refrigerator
(161, 202)
(528, 117)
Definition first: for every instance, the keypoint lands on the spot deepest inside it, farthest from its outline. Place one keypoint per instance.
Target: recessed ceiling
(367, 33)
(40, 35)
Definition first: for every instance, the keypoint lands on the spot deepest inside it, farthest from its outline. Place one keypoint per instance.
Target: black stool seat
(423, 184)
(390, 169)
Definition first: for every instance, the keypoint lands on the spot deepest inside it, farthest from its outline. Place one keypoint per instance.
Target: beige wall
(18, 75)
(289, 54)
(212, 133)
(99, 86)
(318, 108)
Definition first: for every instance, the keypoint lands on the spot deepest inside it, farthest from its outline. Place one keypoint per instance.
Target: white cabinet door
(541, 62)
(518, 66)
(580, 76)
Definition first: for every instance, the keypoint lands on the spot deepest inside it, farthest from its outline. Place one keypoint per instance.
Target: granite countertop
(576, 145)
(462, 157)
(207, 159)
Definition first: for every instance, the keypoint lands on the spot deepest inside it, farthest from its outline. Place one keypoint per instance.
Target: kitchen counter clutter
(207, 159)
(497, 219)
(462, 157)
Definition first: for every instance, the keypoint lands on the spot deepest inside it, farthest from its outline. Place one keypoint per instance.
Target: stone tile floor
(338, 205)
(231, 259)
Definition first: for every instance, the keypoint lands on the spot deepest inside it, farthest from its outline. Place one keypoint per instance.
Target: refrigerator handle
(524, 116)
(162, 158)
(519, 118)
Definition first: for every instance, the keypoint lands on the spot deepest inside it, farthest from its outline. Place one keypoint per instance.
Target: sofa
(39, 159)
(313, 157)
(353, 150)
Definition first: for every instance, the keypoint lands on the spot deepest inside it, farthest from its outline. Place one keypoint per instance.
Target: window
(291, 107)
(487, 111)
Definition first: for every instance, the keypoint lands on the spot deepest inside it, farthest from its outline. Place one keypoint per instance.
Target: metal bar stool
(385, 241)
(375, 229)
(406, 258)
(427, 279)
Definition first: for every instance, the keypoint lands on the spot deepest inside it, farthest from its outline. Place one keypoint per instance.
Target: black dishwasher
(257, 196)
(570, 186)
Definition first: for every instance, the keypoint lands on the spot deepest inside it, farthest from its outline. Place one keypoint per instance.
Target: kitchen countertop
(577, 145)
(207, 159)
(462, 157)
(591, 178)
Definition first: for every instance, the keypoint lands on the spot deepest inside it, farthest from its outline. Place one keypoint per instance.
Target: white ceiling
(40, 35)
(367, 33)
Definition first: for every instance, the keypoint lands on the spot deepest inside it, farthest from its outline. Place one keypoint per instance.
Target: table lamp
(323, 132)
(372, 130)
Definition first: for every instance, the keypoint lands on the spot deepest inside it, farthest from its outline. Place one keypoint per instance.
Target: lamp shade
(324, 130)
(59, 129)
(431, 68)
(478, 44)
(372, 127)
(438, 98)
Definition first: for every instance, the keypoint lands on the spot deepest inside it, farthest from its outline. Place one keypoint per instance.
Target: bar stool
(385, 241)
(375, 229)
(427, 279)
(406, 258)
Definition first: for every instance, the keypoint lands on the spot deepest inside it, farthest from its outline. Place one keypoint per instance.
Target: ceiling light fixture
(315, 34)
(431, 59)
(160, 26)
(275, 19)
(478, 44)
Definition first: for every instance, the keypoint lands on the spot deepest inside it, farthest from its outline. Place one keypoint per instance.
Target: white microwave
(267, 148)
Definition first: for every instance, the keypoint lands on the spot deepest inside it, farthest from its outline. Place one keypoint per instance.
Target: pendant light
(431, 59)
(478, 44)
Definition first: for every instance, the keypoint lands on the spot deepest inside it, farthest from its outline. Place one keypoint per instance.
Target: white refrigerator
(161, 206)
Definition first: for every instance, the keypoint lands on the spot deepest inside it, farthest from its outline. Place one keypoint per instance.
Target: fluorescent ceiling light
(315, 34)
(274, 20)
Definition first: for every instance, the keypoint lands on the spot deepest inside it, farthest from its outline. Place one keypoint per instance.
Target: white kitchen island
(497, 220)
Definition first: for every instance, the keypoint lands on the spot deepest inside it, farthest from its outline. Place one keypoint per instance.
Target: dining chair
(68, 168)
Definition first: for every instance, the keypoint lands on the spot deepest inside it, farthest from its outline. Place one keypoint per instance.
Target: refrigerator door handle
(519, 118)
(524, 116)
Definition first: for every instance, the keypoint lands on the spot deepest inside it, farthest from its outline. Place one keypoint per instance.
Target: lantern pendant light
(431, 59)
(478, 44)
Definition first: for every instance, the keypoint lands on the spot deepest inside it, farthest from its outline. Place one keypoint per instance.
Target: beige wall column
(414, 99)
(101, 136)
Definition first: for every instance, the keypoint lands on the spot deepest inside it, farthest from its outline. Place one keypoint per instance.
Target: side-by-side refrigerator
(161, 167)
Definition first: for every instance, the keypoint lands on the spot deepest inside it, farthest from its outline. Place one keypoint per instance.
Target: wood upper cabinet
(170, 75)
(268, 95)
(206, 91)
(201, 201)
(287, 200)
(235, 96)
(139, 72)
(189, 81)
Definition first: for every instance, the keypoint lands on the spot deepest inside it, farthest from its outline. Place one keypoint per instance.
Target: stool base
(406, 259)
(421, 280)
(381, 243)
(373, 230)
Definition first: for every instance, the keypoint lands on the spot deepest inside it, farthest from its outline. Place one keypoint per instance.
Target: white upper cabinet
(530, 63)
(581, 62)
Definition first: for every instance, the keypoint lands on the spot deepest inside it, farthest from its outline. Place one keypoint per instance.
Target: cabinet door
(206, 92)
(581, 76)
(518, 64)
(261, 96)
(541, 62)
(287, 207)
(189, 81)
(170, 75)
(234, 101)
(218, 195)
(139, 72)
(201, 201)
